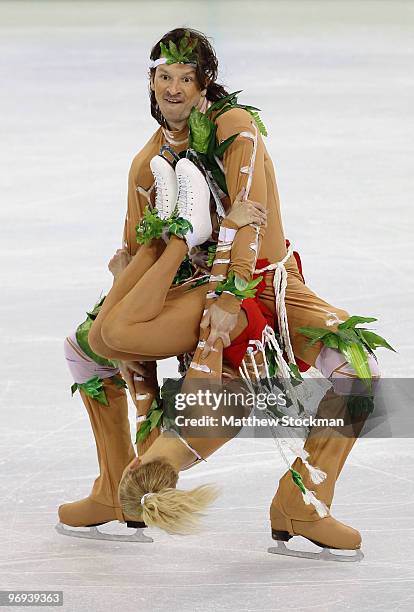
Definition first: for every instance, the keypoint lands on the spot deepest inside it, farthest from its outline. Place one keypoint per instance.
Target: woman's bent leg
(139, 292)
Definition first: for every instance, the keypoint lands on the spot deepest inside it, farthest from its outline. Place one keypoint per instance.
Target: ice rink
(335, 84)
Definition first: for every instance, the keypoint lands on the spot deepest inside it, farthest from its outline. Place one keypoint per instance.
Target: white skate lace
(185, 198)
(161, 193)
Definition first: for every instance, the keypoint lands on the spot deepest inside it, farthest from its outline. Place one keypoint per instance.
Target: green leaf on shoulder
(201, 130)
(355, 320)
(218, 105)
(222, 148)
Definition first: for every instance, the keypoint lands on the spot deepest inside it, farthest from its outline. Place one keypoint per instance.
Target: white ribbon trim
(226, 234)
(142, 396)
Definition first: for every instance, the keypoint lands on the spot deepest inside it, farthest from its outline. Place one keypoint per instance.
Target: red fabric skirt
(258, 316)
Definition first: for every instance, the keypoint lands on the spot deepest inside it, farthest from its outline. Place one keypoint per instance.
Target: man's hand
(119, 262)
(135, 367)
(221, 323)
(245, 212)
(145, 369)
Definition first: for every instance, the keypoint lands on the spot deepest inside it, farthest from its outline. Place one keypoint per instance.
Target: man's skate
(327, 533)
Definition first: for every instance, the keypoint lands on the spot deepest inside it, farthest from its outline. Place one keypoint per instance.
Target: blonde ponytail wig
(174, 511)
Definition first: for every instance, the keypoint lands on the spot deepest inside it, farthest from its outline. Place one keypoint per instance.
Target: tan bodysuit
(246, 164)
(145, 318)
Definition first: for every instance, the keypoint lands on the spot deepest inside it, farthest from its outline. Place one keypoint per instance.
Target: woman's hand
(119, 262)
(244, 212)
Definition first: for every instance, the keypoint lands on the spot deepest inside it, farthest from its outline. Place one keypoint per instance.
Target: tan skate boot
(326, 532)
(290, 516)
(111, 429)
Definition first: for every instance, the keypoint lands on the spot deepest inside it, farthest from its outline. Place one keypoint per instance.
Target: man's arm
(244, 168)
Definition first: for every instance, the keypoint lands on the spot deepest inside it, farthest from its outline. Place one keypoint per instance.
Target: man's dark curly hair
(206, 69)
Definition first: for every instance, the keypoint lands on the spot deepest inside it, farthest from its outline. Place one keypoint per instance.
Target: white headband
(163, 60)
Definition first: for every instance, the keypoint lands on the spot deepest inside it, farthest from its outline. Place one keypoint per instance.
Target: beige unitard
(144, 318)
(150, 319)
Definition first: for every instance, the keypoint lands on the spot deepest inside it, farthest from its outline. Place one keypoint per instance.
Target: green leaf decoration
(183, 44)
(184, 54)
(230, 99)
(247, 107)
(221, 149)
(74, 388)
(356, 356)
(297, 479)
(200, 281)
(143, 431)
(352, 321)
(373, 340)
(154, 418)
(331, 340)
(210, 160)
(347, 335)
(119, 382)
(201, 130)
(173, 49)
(261, 126)
(240, 283)
(151, 226)
(169, 390)
(211, 254)
(184, 272)
(314, 333)
(95, 310)
(165, 52)
(360, 405)
(94, 389)
(82, 335)
(271, 361)
(227, 102)
(178, 226)
(220, 179)
(353, 342)
(295, 371)
(238, 287)
(203, 135)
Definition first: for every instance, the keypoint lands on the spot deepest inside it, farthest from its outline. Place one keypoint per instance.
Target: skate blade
(95, 534)
(324, 555)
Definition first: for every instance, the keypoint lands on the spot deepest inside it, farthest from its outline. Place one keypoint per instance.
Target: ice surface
(335, 82)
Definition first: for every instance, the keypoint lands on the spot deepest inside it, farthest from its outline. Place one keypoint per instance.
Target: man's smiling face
(176, 91)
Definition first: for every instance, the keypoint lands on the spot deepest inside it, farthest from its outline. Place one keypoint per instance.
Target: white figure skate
(166, 188)
(193, 202)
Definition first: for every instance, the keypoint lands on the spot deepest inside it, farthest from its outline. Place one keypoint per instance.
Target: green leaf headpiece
(181, 54)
